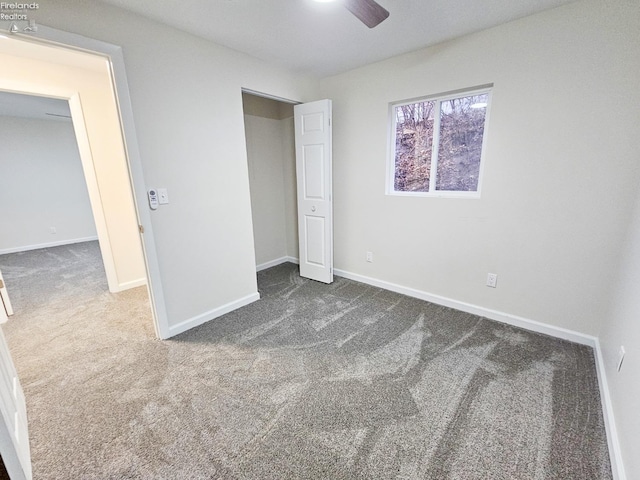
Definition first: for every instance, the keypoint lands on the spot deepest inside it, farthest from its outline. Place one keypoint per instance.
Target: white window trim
(438, 98)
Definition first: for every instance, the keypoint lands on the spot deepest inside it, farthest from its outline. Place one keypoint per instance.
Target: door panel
(313, 122)
(315, 240)
(313, 171)
(14, 436)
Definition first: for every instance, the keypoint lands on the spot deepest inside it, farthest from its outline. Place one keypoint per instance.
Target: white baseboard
(507, 318)
(503, 317)
(26, 248)
(131, 284)
(211, 314)
(277, 261)
(615, 454)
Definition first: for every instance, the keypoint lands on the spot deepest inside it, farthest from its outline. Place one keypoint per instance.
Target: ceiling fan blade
(368, 11)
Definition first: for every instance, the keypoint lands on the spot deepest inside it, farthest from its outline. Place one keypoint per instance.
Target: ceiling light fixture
(368, 12)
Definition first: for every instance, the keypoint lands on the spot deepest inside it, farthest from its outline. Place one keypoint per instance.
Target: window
(436, 144)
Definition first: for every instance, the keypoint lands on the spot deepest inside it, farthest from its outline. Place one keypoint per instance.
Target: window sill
(468, 195)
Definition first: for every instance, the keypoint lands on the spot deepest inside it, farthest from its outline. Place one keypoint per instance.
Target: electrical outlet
(492, 280)
(52, 230)
(621, 353)
(370, 257)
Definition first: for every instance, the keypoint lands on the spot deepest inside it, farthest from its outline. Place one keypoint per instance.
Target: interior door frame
(277, 99)
(5, 301)
(294, 103)
(113, 53)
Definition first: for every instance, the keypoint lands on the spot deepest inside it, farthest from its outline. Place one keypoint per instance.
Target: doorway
(45, 190)
(48, 239)
(270, 141)
(289, 155)
(44, 67)
(89, 74)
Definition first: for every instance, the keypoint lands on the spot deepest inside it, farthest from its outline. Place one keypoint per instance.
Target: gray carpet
(344, 381)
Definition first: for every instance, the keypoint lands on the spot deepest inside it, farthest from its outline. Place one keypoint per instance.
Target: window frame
(438, 99)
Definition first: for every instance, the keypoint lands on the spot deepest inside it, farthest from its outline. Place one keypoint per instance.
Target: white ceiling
(323, 39)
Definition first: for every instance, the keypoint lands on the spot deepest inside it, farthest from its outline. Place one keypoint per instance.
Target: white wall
(187, 106)
(271, 158)
(560, 174)
(621, 327)
(264, 152)
(41, 185)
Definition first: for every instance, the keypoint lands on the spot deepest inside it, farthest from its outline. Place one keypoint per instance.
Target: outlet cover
(492, 280)
(163, 196)
(370, 257)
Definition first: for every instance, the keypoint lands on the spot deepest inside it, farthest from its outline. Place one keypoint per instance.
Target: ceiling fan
(368, 12)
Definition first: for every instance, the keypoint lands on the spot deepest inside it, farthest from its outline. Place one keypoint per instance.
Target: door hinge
(141, 228)
(1, 284)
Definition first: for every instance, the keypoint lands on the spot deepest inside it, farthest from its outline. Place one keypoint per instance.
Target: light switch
(163, 196)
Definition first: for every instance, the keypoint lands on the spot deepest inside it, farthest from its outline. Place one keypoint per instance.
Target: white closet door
(313, 171)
